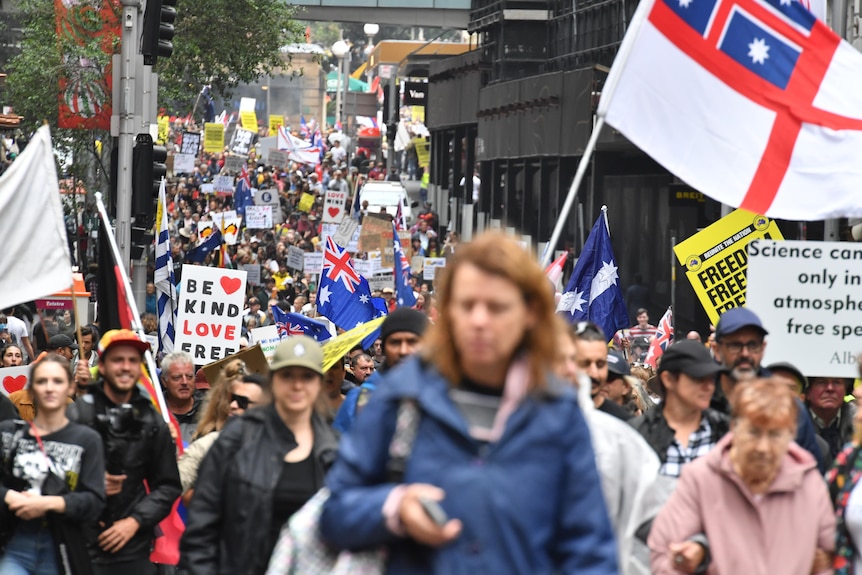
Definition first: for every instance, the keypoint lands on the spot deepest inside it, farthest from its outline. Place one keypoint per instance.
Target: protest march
(318, 377)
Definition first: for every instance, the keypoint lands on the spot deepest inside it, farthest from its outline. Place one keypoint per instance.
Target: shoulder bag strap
(406, 426)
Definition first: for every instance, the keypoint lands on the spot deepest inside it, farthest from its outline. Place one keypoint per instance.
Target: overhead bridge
(427, 13)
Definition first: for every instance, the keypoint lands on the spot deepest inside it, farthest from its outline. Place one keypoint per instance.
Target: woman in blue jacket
(501, 445)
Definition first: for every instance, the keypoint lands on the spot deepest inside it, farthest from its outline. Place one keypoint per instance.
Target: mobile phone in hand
(434, 511)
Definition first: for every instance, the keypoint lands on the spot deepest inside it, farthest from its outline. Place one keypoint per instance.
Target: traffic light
(159, 18)
(148, 169)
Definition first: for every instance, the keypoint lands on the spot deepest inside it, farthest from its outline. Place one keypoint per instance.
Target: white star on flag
(758, 51)
(364, 298)
(606, 277)
(324, 294)
(572, 300)
(685, 3)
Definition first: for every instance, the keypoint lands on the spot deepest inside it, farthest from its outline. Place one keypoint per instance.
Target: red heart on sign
(230, 285)
(334, 211)
(14, 383)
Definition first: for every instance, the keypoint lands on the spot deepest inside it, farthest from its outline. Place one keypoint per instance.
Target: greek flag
(166, 290)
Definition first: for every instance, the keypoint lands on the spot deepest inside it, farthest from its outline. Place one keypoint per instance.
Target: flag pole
(137, 326)
(573, 192)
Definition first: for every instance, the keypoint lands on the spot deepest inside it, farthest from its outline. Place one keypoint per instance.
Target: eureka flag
(755, 103)
(593, 292)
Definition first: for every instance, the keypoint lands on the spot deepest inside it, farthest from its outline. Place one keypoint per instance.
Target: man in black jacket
(138, 448)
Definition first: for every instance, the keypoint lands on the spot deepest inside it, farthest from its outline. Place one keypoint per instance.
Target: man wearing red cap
(138, 448)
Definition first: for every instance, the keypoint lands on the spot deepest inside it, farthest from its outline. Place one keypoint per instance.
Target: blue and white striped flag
(166, 285)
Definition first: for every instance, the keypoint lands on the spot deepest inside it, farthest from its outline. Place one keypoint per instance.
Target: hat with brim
(617, 363)
(791, 369)
(298, 351)
(691, 358)
(737, 318)
(61, 340)
(116, 337)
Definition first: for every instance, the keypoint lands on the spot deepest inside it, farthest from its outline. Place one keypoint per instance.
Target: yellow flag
(336, 348)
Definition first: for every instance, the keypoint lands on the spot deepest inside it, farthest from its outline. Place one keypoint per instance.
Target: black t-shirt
(296, 485)
(615, 409)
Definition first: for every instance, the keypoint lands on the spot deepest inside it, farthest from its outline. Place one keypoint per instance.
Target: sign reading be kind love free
(210, 313)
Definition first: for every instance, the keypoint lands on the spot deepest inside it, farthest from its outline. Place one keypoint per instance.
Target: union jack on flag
(290, 324)
(343, 295)
(662, 339)
(338, 267)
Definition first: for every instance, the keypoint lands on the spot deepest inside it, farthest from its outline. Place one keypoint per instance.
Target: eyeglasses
(737, 346)
(242, 401)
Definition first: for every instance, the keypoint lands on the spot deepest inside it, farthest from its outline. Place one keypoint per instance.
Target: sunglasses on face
(242, 401)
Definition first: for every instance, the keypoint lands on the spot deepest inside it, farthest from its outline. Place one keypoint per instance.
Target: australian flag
(200, 253)
(289, 324)
(593, 292)
(343, 295)
(404, 295)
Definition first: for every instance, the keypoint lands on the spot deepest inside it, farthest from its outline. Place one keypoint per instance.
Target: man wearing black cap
(683, 427)
(401, 334)
(739, 347)
(63, 345)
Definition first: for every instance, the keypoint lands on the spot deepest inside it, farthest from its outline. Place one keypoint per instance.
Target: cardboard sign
(430, 267)
(252, 274)
(295, 258)
(242, 141)
(336, 348)
(376, 234)
(191, 143)
(312, 262)
(334, 206)
(808, 296)
(275, 120)
(277, 158)
(267, 338)
(346, 230)
(255, 362)
(258, 217)
(209, 320)
(213, 137)
(14, 379)
(184, 163)
(305, 203)
(223, 184)
(716, 261)
(352, 246)
(233, 164)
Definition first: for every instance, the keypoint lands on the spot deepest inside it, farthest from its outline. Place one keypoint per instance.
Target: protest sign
(242, 141)
(252, 274)
(205, 229)
(362, 267)
(327, 230)
(417, 263)
(377, 283)
(207, 189)
(209, 320)
(225, 216)
(808, 296)
(333, 206)
(269, 197)
(423, 151)
(247, 116)
(230, 230)
(233, 164)
(223, 184)
(255, 362)
(164, 130)
(275, 120)
(716, 262)
(213, 137)
(430, 267)
(295, 258)
(345, 232)
(277, 158)
(376, 234)
(14, 379)
(184, 163)
(313, 262)
(336, 348)
(268, 339)
(191, 143)
(258, 217)
(305, 203)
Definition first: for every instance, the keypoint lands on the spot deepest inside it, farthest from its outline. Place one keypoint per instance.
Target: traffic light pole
(126, 105)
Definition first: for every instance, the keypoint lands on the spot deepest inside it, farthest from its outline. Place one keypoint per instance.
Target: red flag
(662, 339)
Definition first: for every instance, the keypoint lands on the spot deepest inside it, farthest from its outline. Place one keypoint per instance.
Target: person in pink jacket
(757, 496)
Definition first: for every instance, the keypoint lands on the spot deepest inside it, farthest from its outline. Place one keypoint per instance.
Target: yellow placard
(249, 120)
(213, 137)
(417, 113)
(336, 348)
(716, 261)
(164, 130)
(275, 120)
(423, 151)
(305, 203)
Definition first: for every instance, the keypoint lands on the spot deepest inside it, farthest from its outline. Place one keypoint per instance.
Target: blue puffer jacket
(530, 503)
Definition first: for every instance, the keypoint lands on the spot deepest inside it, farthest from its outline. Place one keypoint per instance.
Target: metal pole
(346, 89)
(338, 93)
(573, 191)
(672, 281)
(393, 94)
(128, 54)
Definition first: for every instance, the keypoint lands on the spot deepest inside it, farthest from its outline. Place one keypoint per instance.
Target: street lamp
(371, 31)
(339, 50)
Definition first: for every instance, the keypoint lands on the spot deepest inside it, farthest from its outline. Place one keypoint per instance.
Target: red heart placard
(14, 383)
(333, 211)
(230, 285)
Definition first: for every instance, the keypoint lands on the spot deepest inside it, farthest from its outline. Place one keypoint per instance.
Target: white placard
(363, 268)
(809, 297)
(13, 379)
(268, 339)
(327, 230)
(269, 197)
(295, 258)
(346, 230)
(234, 163)
(258, 217)
(253, 274)
(207, 189)
(209, 320)
(247, 104)
(313, 263)
(223, 184)
(227, 215)
(377, 283)
(429, 267)
(277, 158)
(334, 206)
(184, 163)
(205, 230)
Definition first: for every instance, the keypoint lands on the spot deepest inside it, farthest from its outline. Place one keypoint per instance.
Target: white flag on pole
(36, 260)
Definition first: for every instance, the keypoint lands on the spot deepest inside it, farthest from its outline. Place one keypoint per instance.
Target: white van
(387, 195)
